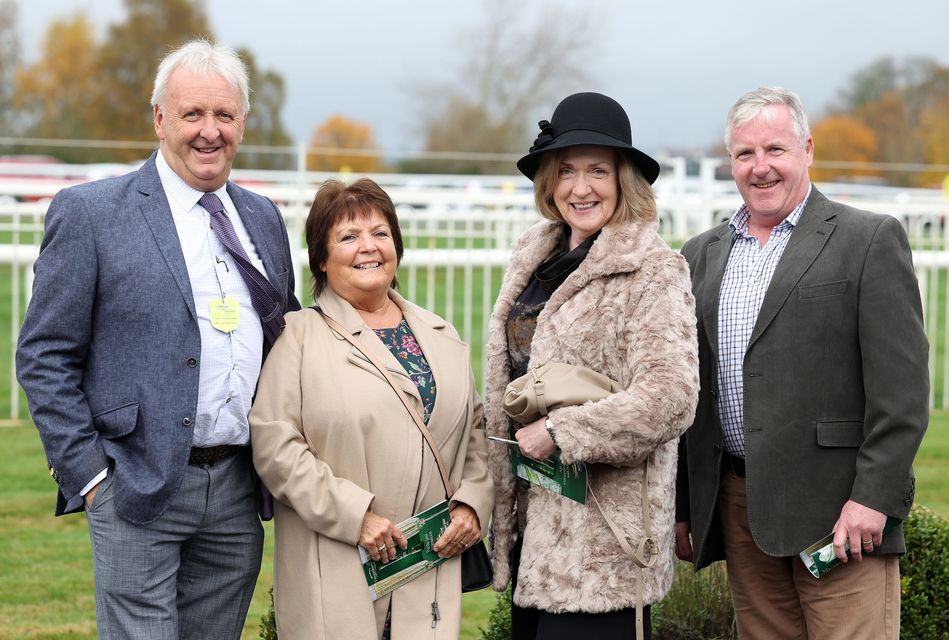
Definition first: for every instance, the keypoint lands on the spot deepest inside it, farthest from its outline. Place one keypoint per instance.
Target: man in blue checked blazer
(140, 353)
(814, 392)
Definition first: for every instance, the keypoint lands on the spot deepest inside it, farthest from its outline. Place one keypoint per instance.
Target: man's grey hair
(204, 58)
(758, 104)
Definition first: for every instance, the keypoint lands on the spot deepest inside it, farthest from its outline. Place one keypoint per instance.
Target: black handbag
(476, 571)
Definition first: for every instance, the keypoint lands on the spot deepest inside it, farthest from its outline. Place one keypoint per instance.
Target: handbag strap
(539, 393)
(646, 552)
(419, 422)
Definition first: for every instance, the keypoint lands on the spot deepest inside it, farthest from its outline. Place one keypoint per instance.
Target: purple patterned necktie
(266, 299)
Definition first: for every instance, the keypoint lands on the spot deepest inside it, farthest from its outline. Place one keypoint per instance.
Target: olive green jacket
(836, 383)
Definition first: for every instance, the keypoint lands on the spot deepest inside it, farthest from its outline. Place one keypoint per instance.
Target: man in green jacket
(815, 391)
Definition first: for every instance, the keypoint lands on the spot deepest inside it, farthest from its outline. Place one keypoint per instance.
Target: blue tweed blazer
(108, 350)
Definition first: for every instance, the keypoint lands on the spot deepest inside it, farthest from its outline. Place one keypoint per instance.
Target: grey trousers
(189, 574)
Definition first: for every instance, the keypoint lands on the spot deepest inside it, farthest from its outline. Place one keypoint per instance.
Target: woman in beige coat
(591, 285)
(341, 454)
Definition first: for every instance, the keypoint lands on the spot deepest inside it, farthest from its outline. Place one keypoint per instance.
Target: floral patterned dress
(402, 344)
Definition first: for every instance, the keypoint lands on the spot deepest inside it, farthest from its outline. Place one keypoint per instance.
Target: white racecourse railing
(458, 232)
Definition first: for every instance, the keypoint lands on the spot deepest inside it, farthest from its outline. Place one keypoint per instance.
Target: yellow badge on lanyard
(225, 314)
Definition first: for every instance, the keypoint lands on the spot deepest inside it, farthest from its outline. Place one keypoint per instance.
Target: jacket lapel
(341, 311)
(716, 258)
(251, 219)
(805, 244)
(157, 213)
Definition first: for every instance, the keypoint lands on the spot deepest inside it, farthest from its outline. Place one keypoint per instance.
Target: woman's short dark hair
(637, 200)
(335, 202)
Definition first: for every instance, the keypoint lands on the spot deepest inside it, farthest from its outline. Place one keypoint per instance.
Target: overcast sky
(676, 65)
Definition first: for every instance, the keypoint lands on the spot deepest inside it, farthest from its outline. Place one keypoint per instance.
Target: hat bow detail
(545, 137)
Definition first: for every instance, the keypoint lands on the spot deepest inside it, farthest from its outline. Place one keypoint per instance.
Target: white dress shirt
(230, 362)
(744, 285)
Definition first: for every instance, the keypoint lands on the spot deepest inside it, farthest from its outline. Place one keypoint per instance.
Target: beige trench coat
(331, 439)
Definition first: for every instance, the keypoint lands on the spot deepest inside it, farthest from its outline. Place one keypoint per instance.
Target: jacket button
(716, 447)
(186, 422)
(192, 361)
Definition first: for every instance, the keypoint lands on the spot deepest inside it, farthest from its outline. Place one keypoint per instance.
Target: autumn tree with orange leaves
(904, 105)
(81, 88)
(341, 144)
(838, 139)
(53, 93)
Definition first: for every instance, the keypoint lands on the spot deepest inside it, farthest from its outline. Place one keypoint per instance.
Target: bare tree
(511, 71)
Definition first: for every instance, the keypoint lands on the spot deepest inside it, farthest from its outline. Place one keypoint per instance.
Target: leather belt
(734, 464)
(210, 455)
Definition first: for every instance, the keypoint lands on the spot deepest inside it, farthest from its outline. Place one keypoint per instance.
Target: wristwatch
(550, 429)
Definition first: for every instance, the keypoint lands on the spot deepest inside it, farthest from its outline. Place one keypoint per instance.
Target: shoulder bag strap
(419, 422)
(646, 552)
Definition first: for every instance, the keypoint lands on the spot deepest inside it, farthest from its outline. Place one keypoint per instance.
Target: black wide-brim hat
(587, 118)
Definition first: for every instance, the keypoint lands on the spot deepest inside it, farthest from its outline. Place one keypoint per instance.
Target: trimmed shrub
(924, 577)
(268, 622)
(499, 621)
(698, 607)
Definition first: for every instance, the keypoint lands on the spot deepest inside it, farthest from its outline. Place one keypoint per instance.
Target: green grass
(932, 466)
(46, 562)
(475, 608)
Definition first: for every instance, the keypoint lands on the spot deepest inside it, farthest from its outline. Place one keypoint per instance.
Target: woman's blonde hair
(636, 201)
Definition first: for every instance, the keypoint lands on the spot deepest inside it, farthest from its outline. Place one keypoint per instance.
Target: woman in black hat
(592, 285)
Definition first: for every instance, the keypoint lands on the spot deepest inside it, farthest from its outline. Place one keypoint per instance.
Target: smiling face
(200, 126)
(587, 190)
(361, 259)
(769, 164)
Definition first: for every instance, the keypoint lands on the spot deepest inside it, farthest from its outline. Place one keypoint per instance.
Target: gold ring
(866, 542)
(382, 548)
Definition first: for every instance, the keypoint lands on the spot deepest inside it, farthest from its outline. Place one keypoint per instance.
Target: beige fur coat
(627, 312)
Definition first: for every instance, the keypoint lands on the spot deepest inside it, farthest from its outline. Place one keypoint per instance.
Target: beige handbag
(554, 385)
